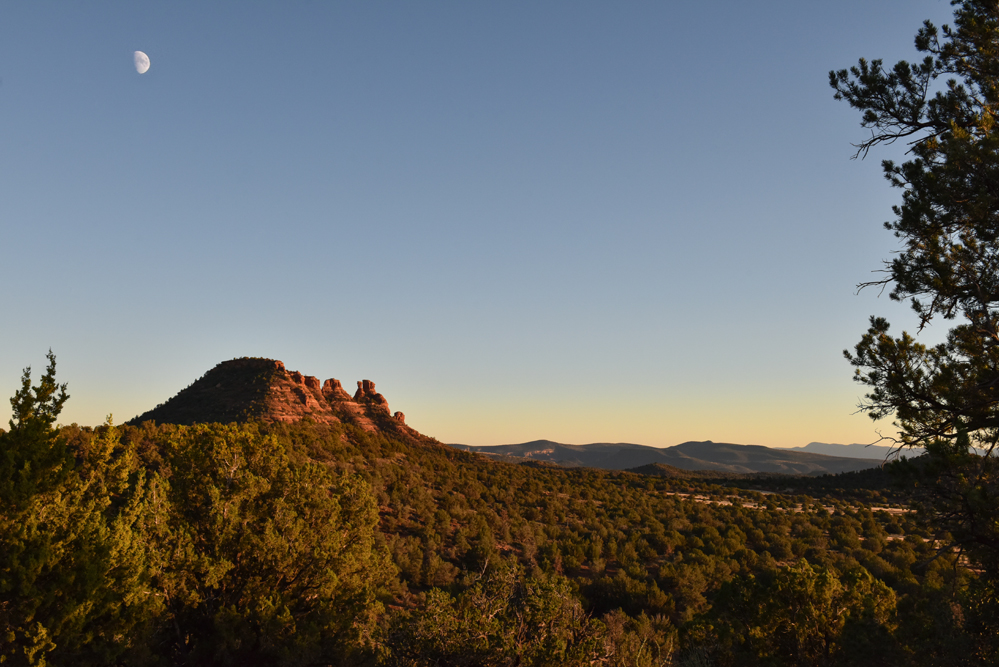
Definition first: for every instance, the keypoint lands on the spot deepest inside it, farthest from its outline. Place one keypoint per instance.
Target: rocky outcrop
(264, 390)
(334, 391)
(366, 393)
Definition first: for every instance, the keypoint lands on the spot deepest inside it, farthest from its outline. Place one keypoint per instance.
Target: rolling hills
(706, 455)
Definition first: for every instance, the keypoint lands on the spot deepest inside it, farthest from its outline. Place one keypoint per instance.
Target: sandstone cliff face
(264, 390)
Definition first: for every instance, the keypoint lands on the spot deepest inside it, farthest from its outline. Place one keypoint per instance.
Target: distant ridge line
(695, 455)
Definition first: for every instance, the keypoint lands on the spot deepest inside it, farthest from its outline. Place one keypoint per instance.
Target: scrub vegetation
(304, 544)
(326, 544)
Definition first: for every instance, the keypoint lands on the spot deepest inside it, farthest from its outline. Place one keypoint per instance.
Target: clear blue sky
(583, 221)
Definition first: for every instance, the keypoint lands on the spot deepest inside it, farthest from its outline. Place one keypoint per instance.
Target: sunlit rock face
(254, 389)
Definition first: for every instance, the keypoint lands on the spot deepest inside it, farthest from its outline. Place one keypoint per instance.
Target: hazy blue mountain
(721, 457)
(879, 452)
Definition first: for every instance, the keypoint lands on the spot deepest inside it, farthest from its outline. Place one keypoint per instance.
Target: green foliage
(72, 584)
(262, 561)
(190, 545)
(285, 544)
(640, 641)
(33, 458)
(944, 397)
(503, 618)
(982, 609)
(800, 615)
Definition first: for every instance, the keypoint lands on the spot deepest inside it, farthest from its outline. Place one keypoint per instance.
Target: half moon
(141, 62)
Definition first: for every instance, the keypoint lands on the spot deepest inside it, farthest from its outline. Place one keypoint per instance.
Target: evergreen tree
(33, 459)
(800, 615)
(944, 397)
(262, 560)
(501, 618)
(71, 564)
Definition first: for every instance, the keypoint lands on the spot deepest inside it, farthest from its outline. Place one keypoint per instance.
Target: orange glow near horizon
(663, 425)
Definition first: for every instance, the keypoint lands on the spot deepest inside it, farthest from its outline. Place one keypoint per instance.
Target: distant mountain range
(707, 455)
(878, 452)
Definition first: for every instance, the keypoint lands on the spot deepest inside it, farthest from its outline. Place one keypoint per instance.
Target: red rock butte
(253, 389)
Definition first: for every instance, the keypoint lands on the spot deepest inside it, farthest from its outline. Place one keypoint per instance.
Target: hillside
(707, 455)
(304, 535)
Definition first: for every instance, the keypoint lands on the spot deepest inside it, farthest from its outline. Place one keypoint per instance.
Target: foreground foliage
(71, 564)
(207, 546)
(306, 544)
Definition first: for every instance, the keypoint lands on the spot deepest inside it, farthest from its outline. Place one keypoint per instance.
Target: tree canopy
(947, 224)
(303, 543)
(946, 396)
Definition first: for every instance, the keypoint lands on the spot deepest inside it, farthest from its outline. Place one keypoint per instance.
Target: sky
(580, 221)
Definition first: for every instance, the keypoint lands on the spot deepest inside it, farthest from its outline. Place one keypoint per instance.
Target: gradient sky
(582, 221)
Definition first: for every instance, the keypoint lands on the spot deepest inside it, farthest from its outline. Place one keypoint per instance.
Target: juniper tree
(72, 572)
(33, 458)
(262, 560)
